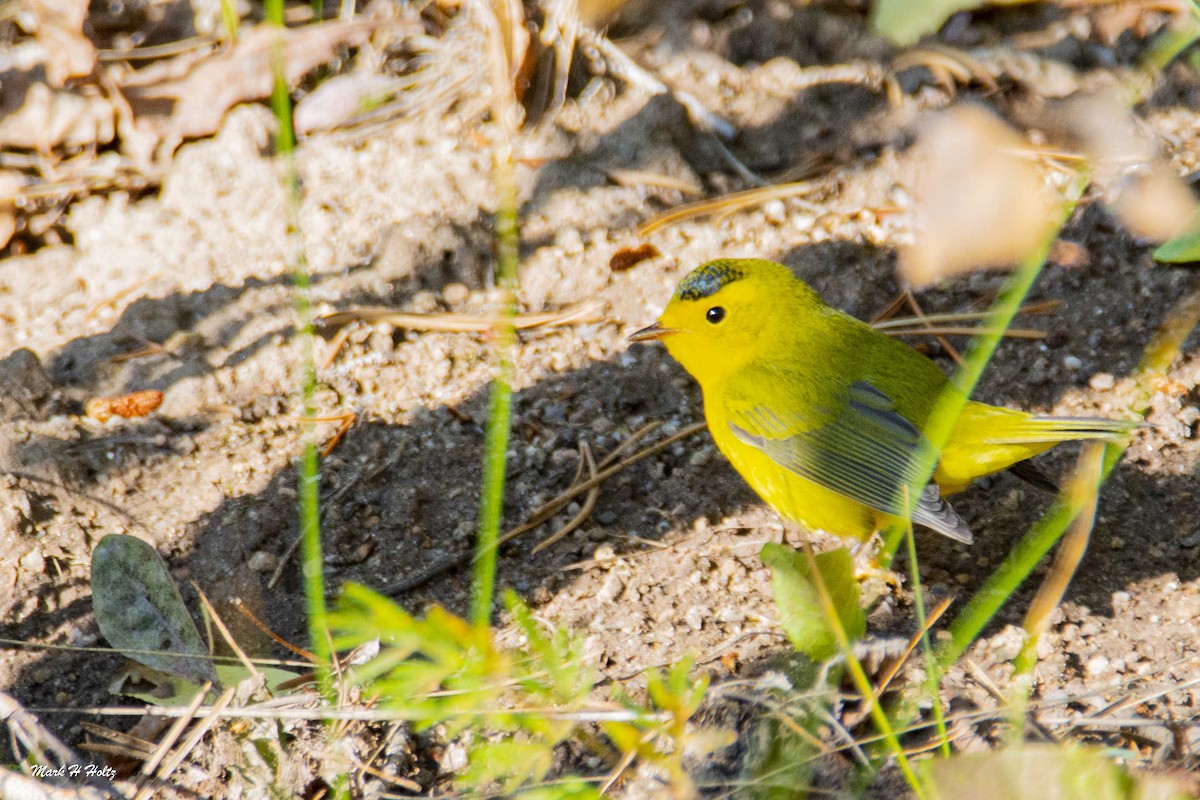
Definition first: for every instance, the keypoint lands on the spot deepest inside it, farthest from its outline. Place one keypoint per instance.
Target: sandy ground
(668, 563)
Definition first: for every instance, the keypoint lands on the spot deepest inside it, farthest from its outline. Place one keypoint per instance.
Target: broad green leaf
(1063, 772)
(906, 21)
(139, 610)
(800, 608)
(1183, 248)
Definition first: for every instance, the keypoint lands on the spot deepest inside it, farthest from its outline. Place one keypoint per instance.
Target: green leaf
(626, 736)
(799, 603)
(556, 668)
(139, 609)
(169, 690)
(509, 762)
(906, 21)
(568, 790)
(1183, 248)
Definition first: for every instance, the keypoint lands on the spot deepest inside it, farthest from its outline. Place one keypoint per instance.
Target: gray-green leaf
(139, 609)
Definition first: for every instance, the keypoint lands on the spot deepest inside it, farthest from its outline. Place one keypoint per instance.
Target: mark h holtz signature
(73, 771)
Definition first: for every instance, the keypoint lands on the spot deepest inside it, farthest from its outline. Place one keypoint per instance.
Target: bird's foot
(875, 579)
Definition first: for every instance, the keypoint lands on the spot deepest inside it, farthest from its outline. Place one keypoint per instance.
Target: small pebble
(1101, 381)
(262, 561)
(611, 589)
(1116, 543)
(455, 293)
(1008, 643)
(454, 758)
(1096, 666)
(1072, 362)
(606, 517)
(605, 554)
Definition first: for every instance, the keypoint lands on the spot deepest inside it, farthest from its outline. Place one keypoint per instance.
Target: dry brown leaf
(630, 257)
(1068, 254)
(134, 404)
(1150, 199)
(10, 184)
(69, 54)
(34, 116)
(196, 103)
(513, 37)
(341, 98)
(1156, 206)
(1105, 126)
(979, 202)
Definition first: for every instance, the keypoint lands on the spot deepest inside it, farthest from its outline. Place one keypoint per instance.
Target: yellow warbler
(823, 415)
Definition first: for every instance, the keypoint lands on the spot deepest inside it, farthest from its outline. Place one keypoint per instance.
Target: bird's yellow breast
(794, 497)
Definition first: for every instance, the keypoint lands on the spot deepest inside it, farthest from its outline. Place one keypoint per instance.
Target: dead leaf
(134, 404)
(630, 257)
(34, 116)
(10, 184)
(341, 98)
(195, 103)
(69, 54)
(980, 202)
(1156, 206)
(1148, 197)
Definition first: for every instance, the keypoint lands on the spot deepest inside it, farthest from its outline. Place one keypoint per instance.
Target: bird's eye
(715, 314)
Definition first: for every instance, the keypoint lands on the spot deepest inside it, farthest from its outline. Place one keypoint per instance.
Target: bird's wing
(865, 450)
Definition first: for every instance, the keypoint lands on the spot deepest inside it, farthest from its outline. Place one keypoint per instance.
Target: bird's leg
(866, 565)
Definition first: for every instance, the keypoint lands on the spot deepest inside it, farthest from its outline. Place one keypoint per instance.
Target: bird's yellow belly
(796, 498)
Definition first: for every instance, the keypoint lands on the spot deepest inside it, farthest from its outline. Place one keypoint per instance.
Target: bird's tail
(1025, 429)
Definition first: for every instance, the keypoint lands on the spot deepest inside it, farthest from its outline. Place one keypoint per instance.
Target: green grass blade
(505, 114)
(309, 469)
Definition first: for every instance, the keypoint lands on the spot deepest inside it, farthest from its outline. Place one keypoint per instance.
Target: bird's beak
(649, 334)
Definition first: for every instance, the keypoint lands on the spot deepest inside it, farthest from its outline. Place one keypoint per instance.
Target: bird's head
(729, 313)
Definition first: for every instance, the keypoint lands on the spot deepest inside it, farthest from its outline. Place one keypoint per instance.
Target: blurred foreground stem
(501, 19)
(309, 474)
(491, 503)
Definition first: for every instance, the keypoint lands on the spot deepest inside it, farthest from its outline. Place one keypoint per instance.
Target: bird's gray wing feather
(866, 451)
